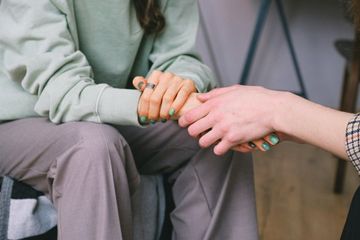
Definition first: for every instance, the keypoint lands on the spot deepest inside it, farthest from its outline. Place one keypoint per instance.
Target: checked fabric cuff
(353, 141)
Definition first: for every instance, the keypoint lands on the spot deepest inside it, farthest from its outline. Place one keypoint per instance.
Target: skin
(168, 97)
(174, 92)
(258, 112)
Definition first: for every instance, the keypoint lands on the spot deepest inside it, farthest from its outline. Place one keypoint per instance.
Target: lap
(162, 147)
(28, 147)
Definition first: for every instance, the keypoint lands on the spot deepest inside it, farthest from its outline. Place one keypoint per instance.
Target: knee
(98, 143)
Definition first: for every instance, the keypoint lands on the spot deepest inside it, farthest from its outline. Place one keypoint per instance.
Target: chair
(264, 10)
(259, 26)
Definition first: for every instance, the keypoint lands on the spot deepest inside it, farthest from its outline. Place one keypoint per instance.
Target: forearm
(312, 123)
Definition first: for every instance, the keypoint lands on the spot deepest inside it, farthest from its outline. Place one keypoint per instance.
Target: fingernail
(140, 84)
(252, 145)
(143, 119)
(266, 146)
(274, 139)
(172, 112)
(152, 122)
(164, 120)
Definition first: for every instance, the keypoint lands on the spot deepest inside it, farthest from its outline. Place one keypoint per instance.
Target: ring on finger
(150, 85)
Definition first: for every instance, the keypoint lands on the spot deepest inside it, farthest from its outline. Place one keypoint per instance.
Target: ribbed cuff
(119, 106)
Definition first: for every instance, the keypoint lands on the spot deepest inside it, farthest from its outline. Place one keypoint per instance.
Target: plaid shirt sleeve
(353, 141)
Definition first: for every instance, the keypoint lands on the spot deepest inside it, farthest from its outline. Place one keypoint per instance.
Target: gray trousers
(91, 170)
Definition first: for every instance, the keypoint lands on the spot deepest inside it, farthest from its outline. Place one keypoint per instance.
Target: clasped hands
(222, 117)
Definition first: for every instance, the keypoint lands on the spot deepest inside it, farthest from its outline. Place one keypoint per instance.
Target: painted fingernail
(252, 145)
(143, 119)
(152, 122)
(172, 112)
(274, 139)
(140, 85)
(164, 120)
(266, 146)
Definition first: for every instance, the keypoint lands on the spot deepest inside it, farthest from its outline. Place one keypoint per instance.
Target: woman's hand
(164, 94)
(234, 116)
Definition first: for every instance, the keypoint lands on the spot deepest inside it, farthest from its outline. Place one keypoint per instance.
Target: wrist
(284, 110)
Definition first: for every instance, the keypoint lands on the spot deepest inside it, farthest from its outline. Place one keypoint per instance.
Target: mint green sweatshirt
(72, 60)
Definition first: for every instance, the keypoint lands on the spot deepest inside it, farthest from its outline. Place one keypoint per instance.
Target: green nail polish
(172, 112)
(164, 120)
(140, 85)
(252, 145)
(274, 139)
(143, 119)
(266, 146)
(152, 121)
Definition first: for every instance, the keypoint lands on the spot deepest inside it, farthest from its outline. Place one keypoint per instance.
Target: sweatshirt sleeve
(174, 48)
(40, 54)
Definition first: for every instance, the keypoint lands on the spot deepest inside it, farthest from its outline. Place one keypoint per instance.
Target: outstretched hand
(236, 117)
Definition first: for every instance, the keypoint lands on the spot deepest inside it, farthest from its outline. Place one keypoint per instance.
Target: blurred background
(294, 183)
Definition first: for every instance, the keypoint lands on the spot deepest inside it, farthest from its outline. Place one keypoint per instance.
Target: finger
(169, 97)
(216, 92)
(247, 146)
(187, 88)
(222, 147)
(210, 138)
(139, 83)
(273, 139)
(194, 115)
(262, 145)
(242, 148)
(156, 99)
(252, 145)
(144, 102)
(202, 125)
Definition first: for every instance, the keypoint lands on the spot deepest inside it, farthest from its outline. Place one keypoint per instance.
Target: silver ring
(150, 85)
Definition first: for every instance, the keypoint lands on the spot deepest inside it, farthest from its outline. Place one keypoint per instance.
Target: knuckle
(145, 100)
(155, 100)
(166, 76)
(224, 128)
(178, 80)
(203, 143)
(167, 98)
(188, 117)
(232, 137)
(192, 132)
(145, 96)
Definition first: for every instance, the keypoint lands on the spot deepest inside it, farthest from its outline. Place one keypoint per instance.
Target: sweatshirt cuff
(119, 106)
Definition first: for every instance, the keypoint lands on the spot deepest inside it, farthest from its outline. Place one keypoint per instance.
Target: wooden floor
(295, 199)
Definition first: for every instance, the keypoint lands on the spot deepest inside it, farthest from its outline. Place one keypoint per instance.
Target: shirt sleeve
(39, 53)
(174, 48)
(353, 141)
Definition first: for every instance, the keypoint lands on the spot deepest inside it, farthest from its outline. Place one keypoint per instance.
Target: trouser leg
(86, 169)
(214, 196)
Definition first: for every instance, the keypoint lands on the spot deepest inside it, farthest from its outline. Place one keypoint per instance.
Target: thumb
(139, 83)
